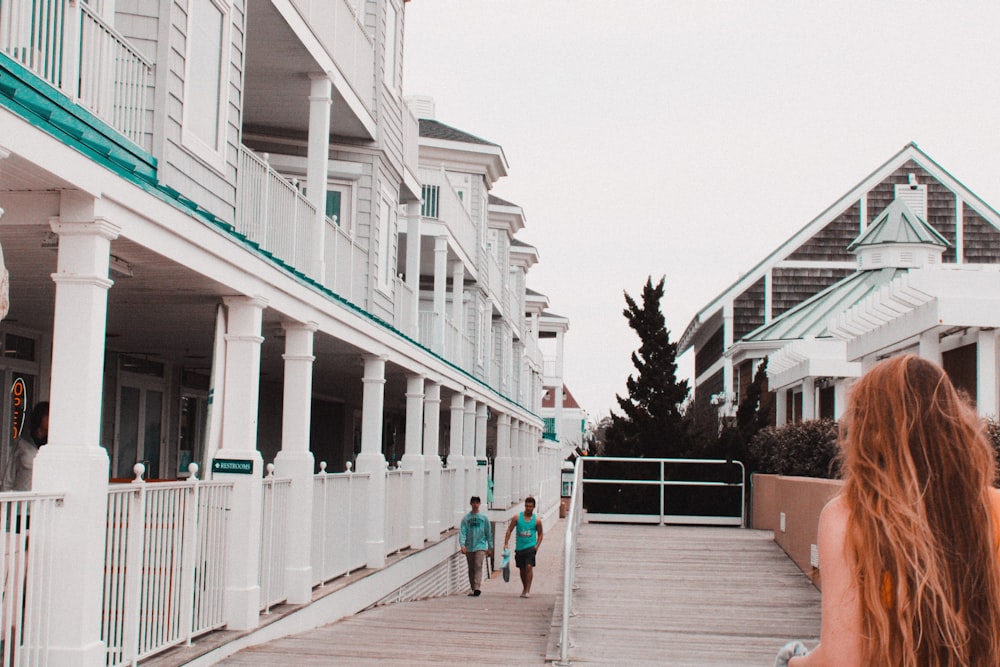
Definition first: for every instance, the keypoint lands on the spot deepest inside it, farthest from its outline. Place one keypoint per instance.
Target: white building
(232, 243)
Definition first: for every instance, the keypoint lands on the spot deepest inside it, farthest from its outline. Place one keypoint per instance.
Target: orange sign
(18, 406)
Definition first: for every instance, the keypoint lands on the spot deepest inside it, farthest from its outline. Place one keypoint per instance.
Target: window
(387, 215)
(340, 203)
(207, 61)
(429, 196)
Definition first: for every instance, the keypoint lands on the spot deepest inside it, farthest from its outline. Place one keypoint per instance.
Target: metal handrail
(569, 559)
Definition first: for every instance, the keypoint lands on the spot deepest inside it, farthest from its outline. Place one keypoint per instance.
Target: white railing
(82, 56)
(449, 478)
(344, 262)
(397, 509)
(411, 141)
(165, 569)
(451, 210)
(573, 521)
(273, 537)
(338, 544)
(496, 286)
(270, 211)
(342, 33)
(113, 76)
(403, 307)
(25, 574)
(427, 329)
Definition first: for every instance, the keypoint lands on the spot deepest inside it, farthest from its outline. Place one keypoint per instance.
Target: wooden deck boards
(647, 595)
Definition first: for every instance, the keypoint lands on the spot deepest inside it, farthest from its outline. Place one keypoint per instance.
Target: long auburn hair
(921, 533)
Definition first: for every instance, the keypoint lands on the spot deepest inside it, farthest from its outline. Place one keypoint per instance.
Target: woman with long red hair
(910, 549)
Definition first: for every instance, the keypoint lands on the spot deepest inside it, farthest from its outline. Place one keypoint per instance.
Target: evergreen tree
(651, 423)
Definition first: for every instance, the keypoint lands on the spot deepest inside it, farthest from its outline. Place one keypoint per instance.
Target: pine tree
(651, 423)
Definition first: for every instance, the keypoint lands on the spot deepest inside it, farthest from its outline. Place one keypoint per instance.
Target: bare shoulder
(834, 515)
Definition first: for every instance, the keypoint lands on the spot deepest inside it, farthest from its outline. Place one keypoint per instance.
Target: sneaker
(476, 593)
(471, 594)
(526, 595)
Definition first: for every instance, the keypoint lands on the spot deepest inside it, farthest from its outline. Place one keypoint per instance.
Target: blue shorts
(525, 557)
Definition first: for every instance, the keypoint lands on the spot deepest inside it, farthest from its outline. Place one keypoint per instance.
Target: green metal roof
(812, 317)
(898, 224)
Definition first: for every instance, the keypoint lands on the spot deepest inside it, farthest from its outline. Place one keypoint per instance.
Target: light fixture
(119, 267)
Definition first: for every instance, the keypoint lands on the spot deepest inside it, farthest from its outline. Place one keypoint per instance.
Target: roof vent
(422, 106)
(914, 195)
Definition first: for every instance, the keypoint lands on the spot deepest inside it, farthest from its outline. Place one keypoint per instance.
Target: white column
(240, 401)
(440, 292)
(317, 165)
(840, 397)
(930, 346)
(74, 462)
(295, 461)
(455, 458)
(517, 441)
(502, 465)
(469, 449)
(987, 373)
(371, 460)
(781, 407)
(432, 435)
(413, 263)
(808, 398)
(413, 458)
(480, 474)
(558, 412)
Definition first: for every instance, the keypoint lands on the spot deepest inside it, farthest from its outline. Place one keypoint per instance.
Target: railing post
(189, 551)
(135, 534)
(69, 66)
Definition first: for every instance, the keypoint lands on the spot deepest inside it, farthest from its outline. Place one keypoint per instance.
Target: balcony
(272, 213)
(342, 34)
(68, 45)
(442, 203)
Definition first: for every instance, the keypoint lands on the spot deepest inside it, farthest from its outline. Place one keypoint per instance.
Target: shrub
(807, 449)
(993, 435)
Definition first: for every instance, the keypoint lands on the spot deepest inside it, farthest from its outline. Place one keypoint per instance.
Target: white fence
(165, 565)
(273, 537)
(338, 539)
(25, 574)
(449, 478)
(69, 46)
(397, 509)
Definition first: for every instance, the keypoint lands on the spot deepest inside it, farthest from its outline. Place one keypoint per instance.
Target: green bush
(993, 435)
(807, 449)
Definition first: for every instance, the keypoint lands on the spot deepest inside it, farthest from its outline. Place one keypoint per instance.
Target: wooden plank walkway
(647, 595)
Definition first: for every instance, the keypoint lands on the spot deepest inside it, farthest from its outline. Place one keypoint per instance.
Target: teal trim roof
(898, 224)
(811, 318)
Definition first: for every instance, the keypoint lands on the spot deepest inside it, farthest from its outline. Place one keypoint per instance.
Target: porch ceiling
(276, 88)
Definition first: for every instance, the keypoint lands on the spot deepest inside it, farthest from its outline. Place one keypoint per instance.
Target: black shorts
(525, 557)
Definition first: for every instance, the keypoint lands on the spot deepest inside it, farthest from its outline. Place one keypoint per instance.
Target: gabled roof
(909, 152)
(496, 201)
(549, 399)
(898, 224)
(434, 129)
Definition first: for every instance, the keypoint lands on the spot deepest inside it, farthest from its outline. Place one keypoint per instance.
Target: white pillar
(558, 411)
(413, 459)
(987, 373)
(780, 407)
(413, 264)
(840, 397)
(517, 441)
(808, 398)
(480, 475)
(440, 292)
(432, 435)
(295, 461)
(371, 460)
(469, 449)
(240, 401)
(502, 465)
(930, 346)
(317, 161)
(455, 458)
(74, 462)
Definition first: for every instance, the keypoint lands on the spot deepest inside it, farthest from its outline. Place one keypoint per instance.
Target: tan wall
(801, 499)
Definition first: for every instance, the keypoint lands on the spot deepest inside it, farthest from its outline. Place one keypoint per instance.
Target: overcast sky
(689, 139)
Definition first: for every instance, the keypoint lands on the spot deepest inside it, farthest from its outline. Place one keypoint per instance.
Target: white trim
(215, 157)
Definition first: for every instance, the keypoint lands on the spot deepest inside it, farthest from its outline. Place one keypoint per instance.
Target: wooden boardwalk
(647, 595)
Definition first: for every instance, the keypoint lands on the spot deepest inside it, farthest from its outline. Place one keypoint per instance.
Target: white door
(139, 433)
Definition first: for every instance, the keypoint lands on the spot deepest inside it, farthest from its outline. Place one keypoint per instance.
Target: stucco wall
(800, 499)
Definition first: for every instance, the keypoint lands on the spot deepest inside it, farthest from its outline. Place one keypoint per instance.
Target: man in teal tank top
(529, 538)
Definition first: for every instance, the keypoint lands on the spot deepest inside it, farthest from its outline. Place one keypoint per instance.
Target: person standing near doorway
(21, 465)
(529, 539)
(475, 534)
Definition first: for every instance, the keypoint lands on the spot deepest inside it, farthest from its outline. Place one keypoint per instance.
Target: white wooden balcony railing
(67, 44)
(403, 307)
(397, 509)
(449, 209)
(411, 141)
(341, 31)
(338, 537)
(344, 259)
